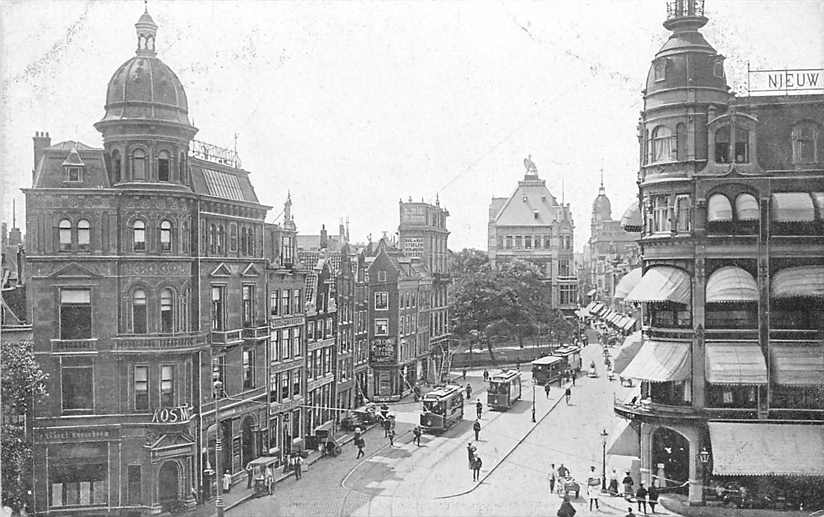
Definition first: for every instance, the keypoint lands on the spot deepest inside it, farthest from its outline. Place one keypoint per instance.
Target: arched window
(805, 143)
(139, 312)
(83, 237)
(718, 208)
(116, 166)
(718, 69)
(661, 145)
(746, 208)
(165, 236)
(742, 145)
(660, 68)
(139, 235)
(138, 164)
(166, 312)
(681, 142)
(64, 230)
(722, 145)
(163, 166)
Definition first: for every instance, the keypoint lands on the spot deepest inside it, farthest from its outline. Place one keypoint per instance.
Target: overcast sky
(353, 105)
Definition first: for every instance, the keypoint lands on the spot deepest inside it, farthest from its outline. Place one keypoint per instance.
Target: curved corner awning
(631, 220)
(800, 281)
(797, 364)
(731, 284)
(744, 449)
(789, 207)
(629, 324)
(660, 361)
(661, 284)
(625, 440)
(629, 349)
(627, 283)
(735, 364)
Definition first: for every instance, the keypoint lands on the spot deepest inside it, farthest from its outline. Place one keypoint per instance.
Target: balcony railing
(159, 342)
(652, 409)
(70, 346)
(227, 337)
(256, 331)
(794, 334)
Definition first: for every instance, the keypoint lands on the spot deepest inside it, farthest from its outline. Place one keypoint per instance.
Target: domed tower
(146, 129)
(601, 209)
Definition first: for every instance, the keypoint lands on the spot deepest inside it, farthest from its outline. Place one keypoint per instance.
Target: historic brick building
(732, 293)
(531, 225)
(321, 353)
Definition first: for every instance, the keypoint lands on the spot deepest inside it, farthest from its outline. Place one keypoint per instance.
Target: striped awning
(799, 282)
(731, 284)
(627, 283)
(797, 364)
(629, 324)
(746, 449)
(596, 308)
(624, 440)
(590, 306)
(660, 361)
(661, 284)
(627, 352)
(788, 207)
(735, 363)
(592, 292)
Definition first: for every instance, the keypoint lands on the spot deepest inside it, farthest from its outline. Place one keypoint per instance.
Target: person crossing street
(477, 428)
(359, 443)
(479, 407)
(546, 389)
(567, 394)
(417, 432)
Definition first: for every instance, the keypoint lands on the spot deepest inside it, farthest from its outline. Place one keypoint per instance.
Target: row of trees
(507, 303)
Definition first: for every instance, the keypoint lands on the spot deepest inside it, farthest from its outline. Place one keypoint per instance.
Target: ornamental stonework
(155, 269)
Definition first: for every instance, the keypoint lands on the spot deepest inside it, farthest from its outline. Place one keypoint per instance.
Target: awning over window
(591, 292)
(629, 324)
(731, 284)
(596, 308)
(788, 207)
(590, 307)
(660, 361)
(801, 281)
(627, 352)
(735, 363)
(797, 364)
(719, 208)
(661, 284)
(624, 440)
(744, 449)
(628, 283)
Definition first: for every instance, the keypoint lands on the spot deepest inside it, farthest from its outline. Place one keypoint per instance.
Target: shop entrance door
(168, 483)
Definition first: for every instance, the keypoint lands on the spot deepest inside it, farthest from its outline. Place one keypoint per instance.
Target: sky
(351, 106)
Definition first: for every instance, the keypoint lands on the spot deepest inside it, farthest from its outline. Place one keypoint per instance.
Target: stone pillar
(646, 452)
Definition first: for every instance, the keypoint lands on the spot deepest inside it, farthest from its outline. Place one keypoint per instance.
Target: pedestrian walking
(464, 374)
(359, 443)
(486, 375)
(391, 437)
(468, 390)
(298, 466)
(551, 477)
(593, 487)
(641, 497)
(572, 375)
(250, 471)
(630, 512)
(479, 407)
(627, 482)
(470, 453)
(386, 425)
(652, 496)
(613, 483)
(477, 428)
(563, 472)
(566, 509)
(384, 410)
(227, 482)
(269, 479)
(567, 394)
(476, 469)
(546, 389)
(417, 433)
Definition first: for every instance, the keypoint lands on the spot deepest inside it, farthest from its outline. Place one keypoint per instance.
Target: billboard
(786, 81)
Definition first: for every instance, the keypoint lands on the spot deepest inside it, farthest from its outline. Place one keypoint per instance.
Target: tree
(23, 386)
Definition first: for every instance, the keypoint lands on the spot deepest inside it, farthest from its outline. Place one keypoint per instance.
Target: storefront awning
(596, 307)
(660, 361)
(629, 324)
(624, 440)
(731, 284)
(797, 364)
(591, 292)
(627, 352)
(800, 281)
(789, 207)
(735, 363)
(627, 283)
(744, 449)
(661, 284)
(590, 306)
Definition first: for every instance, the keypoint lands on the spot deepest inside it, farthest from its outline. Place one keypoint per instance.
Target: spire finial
(146, 32)
(601, 188)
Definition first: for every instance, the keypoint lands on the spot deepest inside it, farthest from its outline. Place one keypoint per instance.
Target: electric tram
(504, 389)
(442, 408)
(547, 369)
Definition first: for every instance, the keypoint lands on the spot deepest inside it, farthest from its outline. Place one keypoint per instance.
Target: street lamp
(704, 458)
(604, 435)
(533, 399)
(218, 387)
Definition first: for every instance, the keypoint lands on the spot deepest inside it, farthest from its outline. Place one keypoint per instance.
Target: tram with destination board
(442, 408)
(547, 369)
(504, 389)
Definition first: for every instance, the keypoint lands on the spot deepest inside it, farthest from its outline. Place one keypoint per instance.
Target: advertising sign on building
(382, 351)
(785, 81)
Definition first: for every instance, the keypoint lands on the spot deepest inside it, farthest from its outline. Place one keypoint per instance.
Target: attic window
(661, 70)
(73, 174)
(524, 199)
(535, 214)
(718, 69)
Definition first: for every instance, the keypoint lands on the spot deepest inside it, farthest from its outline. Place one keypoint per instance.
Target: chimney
(324, 240)
(41, 140)
(21, 256)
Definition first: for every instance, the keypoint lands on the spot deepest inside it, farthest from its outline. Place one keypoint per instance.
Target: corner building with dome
(148, 265)
(731, 361)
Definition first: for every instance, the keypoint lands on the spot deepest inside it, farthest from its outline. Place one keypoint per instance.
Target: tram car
(504, 389)
(571, 355)
(442, 408)
(547, 369)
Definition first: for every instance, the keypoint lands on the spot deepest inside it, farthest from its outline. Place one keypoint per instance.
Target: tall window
(133, 496)
(165, 236)
(284, 301)
(248, 368)
(167, 386)
(286, 252)
(77, 383)
(518, 240)
(722, 145)
(83, 237)
(662, 145)
(296, 342)
(328, 327)
(508, 242)
(742, 147)
(217, 308)
(681, 142)
(138, 164)
(528, 242)
(805, 143)
(65, 234)
(163, 166)
(682, 214)
(212, 238)
(660, 214)
(547, 240)
(273, 301)
(116, 166)
(243, 240)
(139, 311)
(75, 314)
(381, 327)
(166, 313)
(296, 382)
(327, 360)
(284, 385)
(381, 301)
(139, 235)
(381, 276)
(660, 70)
(296, 309)
(284, 343)
(233, 237)
(219, 373)
(220, 243)
(248, 305)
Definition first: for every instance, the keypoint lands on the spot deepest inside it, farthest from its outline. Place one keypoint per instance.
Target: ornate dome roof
(144, 87)
(601, 207)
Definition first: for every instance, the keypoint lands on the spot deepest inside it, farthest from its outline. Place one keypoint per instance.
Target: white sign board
(787, 81)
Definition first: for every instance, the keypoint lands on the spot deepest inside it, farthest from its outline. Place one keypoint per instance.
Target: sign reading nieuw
(172, 415)
(786, 81)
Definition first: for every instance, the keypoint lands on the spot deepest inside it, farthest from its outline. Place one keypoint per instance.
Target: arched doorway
(670, 453)
(168, 483)
(247, 441)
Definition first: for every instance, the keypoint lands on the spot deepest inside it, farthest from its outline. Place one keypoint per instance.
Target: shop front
(242, 440)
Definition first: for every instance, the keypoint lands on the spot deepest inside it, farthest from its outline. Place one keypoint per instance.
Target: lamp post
(218, 386)
(533, 400)
(604, 435)
(704, 458)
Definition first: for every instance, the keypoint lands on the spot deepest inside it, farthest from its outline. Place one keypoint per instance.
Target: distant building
(531, 225)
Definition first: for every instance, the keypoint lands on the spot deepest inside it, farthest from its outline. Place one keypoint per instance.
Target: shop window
(163, 166)
(139, 235)
(139, 312)
(77, 383)
(75, 314)
(165, 236)
(248, 309)
(805, 143)
(248, 363)
(218, 316)
(138, 164)
(83, 234)
(78, 475)
(166, 310)
(732, 315)
(64, 233)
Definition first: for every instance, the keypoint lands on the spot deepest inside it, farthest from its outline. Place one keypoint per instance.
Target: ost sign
(172, 415)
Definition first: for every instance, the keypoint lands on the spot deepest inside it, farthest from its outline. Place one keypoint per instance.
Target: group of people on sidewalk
(642, 496)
